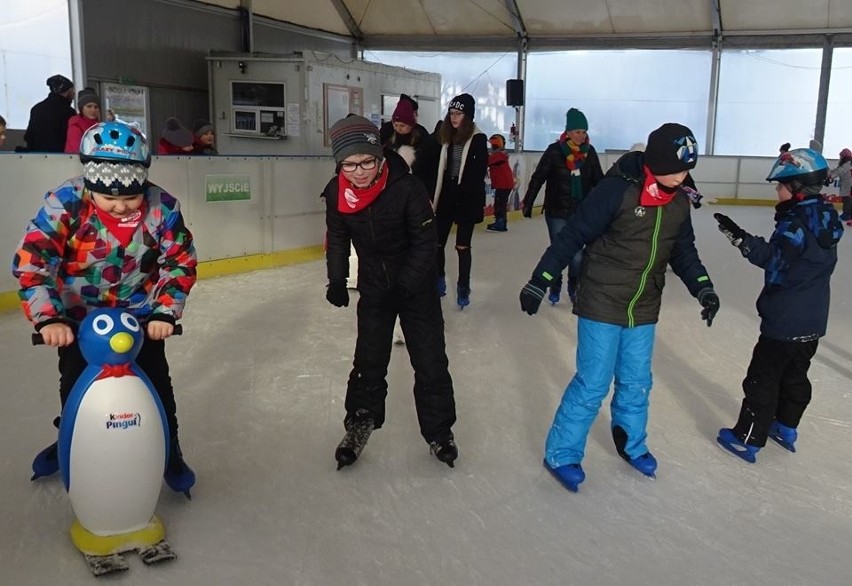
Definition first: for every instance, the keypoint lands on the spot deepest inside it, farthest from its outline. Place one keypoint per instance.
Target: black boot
(445, 450)
(358, 430)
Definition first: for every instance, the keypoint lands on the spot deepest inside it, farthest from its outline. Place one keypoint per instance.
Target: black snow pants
(776, 388)
(423, 327)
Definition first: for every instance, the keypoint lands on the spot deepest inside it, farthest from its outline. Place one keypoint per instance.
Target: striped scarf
(575, 157)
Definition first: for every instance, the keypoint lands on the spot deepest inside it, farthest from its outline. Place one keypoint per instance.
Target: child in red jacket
(502, 180)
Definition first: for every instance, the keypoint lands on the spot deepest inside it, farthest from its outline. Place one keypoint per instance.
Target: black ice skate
(358, 430)
(445, 450)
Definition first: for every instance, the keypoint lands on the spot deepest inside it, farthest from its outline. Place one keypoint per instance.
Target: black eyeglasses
(367, 165)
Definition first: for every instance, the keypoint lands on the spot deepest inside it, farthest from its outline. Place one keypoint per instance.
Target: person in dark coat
(571, 168)
(387, 129)
(460, 193)
(633, 224)
(376, 204)
(48, 125)
(415, 144)
(798, 261)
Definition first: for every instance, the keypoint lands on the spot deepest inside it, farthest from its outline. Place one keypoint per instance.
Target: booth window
(257, 108)
(340, 101)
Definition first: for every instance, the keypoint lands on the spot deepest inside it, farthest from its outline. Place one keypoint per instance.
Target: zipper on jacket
(373, 238)
(631, 320)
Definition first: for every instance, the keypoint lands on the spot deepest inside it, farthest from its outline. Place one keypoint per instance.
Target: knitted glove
(337, 294)
(730, 229)
(710, 302)
(532, 294)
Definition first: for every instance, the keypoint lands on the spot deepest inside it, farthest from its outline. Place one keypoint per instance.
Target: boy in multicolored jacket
(798, 261)
(109, 239)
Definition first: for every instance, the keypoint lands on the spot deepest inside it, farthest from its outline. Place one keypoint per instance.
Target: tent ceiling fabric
(432, 20)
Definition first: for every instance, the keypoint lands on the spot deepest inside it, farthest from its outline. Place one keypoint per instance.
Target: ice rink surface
(260, 375)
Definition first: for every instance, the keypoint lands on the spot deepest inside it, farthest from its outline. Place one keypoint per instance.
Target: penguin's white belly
(117, 456)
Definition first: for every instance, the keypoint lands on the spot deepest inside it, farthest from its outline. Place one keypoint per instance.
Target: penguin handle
(38, 339)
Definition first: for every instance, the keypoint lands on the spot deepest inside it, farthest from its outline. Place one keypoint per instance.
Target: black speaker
(514, 92)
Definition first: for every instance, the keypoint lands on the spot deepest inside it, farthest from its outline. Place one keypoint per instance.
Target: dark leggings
(152, 361)
(501, 200)
(464, 235)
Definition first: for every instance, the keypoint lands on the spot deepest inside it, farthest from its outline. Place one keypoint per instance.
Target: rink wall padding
(253, 212)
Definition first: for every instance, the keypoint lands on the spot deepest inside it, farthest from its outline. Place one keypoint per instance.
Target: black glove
(527, 211)
(337, 294)
(730, 229)
(532, 294)
(709, 301)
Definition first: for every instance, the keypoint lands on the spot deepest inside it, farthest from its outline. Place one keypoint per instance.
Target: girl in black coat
(384, 211)
(460, 193)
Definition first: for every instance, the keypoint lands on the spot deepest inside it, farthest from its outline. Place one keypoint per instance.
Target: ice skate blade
(784, 444)
(101, 565)
(742, 454)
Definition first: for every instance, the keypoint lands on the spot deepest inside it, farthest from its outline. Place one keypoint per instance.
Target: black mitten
(709, 301)
(527, 211)
(730, 229)
(337, 294)
(532, 294)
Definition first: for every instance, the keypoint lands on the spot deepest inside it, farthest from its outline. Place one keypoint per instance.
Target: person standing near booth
(48, 125)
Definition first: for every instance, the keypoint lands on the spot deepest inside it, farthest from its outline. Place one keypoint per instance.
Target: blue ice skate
(442, 286)
(553, 297)
(462, 296)
(46, 462)
(178, 475)
(728, 440)
(785, 436)
(646, 464)
(570, 476)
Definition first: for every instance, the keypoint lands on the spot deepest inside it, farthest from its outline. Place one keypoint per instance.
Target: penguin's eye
(130, 322)
(103, 324)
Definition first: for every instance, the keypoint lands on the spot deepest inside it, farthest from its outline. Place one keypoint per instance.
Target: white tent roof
(454, 24)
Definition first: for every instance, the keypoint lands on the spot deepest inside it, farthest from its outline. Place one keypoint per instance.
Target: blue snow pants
(604, 351)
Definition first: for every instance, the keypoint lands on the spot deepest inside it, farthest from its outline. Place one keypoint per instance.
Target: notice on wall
(294, 119)
(227, 187)
(127, 103)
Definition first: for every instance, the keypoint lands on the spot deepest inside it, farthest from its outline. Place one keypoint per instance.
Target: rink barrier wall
(254, 212)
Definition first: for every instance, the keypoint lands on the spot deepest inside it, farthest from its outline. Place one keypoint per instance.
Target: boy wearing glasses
(376, 204)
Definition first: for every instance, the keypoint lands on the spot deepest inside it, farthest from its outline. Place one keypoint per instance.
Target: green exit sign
(228, 187)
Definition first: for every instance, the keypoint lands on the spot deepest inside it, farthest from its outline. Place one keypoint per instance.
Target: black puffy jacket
(559, 202)
(48, 125)
(394, 236)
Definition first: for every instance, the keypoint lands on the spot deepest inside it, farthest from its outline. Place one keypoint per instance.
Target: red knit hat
(404, 113)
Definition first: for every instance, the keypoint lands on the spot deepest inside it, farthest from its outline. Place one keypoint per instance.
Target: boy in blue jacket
(793, 305)
(633, 224)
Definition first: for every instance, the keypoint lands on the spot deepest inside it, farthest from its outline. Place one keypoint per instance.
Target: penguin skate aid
(111, 209)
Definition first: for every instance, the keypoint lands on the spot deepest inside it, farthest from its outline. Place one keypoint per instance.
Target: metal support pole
(520, 111)
(713, 99)
(824, 83)
(78, 62)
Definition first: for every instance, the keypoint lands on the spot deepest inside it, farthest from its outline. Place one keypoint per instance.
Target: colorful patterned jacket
(68, 262)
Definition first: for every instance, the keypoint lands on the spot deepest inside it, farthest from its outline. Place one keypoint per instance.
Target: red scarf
(351, 199)
(651, 194)
(122, 228)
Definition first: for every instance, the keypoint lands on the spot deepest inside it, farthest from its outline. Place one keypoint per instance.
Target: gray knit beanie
(355, 135)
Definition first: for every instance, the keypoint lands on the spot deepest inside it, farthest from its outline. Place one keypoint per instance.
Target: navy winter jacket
(798, 260)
